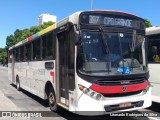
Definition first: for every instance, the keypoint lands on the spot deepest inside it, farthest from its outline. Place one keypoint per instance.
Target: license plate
(125, 105)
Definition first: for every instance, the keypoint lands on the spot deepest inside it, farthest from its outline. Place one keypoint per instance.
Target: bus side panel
(33, 76)
(20, 73)
(36, 73)
(155, 81)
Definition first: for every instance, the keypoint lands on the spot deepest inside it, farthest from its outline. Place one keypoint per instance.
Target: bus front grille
(122, 94)
(119, 82)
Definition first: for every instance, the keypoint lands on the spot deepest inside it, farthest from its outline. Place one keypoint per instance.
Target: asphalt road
(26, 101)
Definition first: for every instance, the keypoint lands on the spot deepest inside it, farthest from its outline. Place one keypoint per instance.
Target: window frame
(46, 40)
(153, 43)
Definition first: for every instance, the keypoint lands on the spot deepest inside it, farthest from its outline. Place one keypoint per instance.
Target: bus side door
(66, 57)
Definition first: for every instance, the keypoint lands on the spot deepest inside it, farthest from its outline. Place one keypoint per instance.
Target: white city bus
(91, 61)
(153, 35)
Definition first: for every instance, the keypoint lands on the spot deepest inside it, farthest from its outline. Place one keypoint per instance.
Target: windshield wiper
(132, 51)
(105, 46)
(132, 48)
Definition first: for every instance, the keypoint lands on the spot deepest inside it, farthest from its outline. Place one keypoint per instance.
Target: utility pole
(91, 4)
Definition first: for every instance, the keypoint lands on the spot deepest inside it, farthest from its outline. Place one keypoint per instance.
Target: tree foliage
(148, 23)
(3, 56)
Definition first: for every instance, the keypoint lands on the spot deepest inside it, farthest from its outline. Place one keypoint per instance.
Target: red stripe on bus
(29, 38)
(52, 74)
(119, 89)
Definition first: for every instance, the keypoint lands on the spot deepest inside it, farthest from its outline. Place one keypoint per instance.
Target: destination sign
(111, 20)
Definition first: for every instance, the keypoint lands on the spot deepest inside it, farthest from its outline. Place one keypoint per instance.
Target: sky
(21, 14)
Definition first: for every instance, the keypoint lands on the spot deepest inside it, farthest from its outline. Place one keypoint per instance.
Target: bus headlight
(86, 90)
(91, 93)
(98, 96)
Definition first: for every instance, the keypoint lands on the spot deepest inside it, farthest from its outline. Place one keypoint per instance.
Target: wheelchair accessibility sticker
(125, 70)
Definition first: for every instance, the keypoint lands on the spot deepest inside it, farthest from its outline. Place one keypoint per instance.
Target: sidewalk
(3, 68)
(7, 105)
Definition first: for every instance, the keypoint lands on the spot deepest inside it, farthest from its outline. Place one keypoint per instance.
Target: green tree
(148, 23)
(3, 56)
(10, 40)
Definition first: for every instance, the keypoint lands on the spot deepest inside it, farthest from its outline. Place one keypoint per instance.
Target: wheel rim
(51, 99)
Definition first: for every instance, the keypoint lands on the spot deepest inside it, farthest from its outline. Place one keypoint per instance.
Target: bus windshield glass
(124, 50)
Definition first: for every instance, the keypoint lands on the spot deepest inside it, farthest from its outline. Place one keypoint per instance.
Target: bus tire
(52, 100)
(18, 84)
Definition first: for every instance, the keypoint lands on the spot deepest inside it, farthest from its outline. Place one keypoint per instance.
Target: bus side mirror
(77, 34)
(77, 39)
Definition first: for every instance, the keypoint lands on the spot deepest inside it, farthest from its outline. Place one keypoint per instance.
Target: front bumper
(90, 106)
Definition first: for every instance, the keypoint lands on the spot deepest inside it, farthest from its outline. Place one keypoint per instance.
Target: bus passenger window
(36, 49)
(17, 54)
(154, 53)
(22, 53)
(44, 47)
(50, 46)
(28, 51)
(47, 46)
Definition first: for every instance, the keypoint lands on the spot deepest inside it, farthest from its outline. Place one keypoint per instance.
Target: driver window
(92, 46)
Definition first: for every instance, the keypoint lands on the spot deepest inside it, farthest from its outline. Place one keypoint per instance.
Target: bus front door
(63, 53)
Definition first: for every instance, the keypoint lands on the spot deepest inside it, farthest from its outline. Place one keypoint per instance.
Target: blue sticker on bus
(120, 69)
(126, 70)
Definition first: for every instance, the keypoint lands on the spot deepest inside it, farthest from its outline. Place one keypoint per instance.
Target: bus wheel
(52, 100)
(18, 84)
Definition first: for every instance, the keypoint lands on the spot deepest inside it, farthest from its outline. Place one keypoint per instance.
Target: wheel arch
(48, 85)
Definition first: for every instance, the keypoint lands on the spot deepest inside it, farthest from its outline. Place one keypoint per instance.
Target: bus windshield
(123, 51)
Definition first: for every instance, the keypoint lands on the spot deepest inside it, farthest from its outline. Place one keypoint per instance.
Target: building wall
(45, 18)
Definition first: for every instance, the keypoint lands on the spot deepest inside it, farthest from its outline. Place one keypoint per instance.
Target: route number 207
(93, 19)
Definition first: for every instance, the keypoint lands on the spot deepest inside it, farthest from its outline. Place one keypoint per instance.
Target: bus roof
(153, 30)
